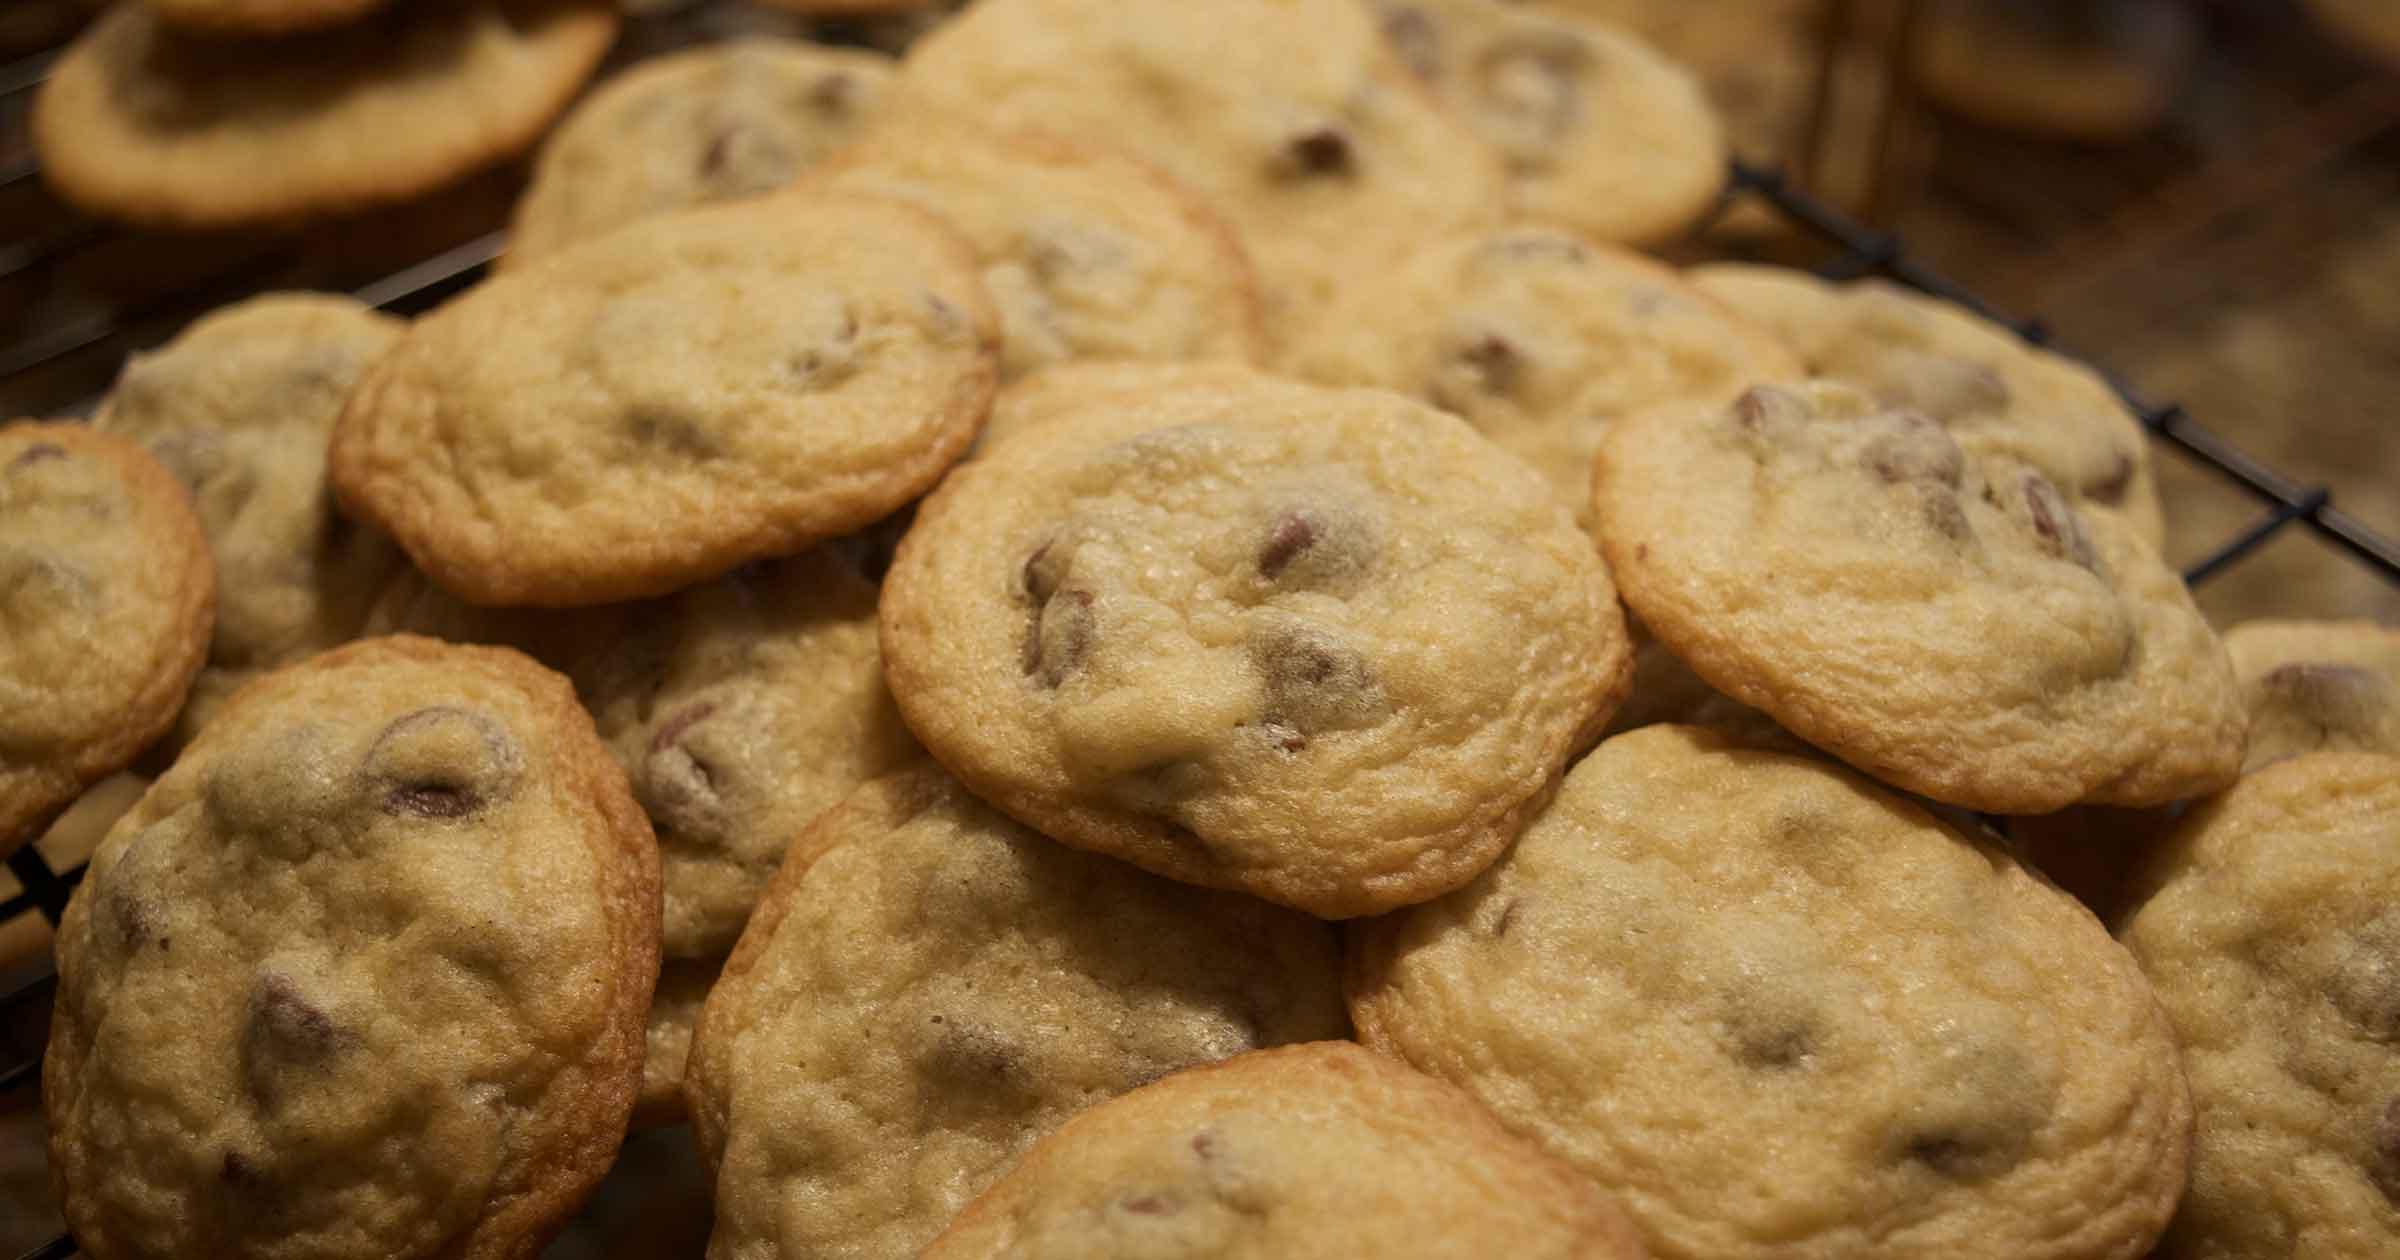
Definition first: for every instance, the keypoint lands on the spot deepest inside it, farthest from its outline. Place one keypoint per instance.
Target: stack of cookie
(964, 624)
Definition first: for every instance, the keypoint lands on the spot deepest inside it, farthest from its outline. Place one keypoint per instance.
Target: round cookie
(928, 988)
(2097, 73)
(363, 974)
(639, 412)
(1327, 647)
(139, 123)
(1088, 255)
(252, 18)
(1993, 392)
(1540, 340)
(2317, 686)
(107, 595)
(2273, 944)
(709, 124)
(1949, 623)
(1314, 1152)
(240, 406)
(1598, 131)
(1781, 1012)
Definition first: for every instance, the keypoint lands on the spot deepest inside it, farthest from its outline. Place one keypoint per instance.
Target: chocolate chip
(1763, 409)
(1915, 449)
(1061, 637)
(685, 719)
(430, 800)
(442, 763)
(1204, 1145)
(669, 433)
(1493, 362)
(2110, 489)
(2383, 1166)
(976, 1059)
(1320, 151)
(718, 152)
(835, 94)
(1043, 569)
(1292, 533)
(2060, 530)
(2336, 698)
(282, 1021)
(1411, 34)
(1313, 683)
(1149, 1205)
(1507, 919)
(36, 453)
(675, 786)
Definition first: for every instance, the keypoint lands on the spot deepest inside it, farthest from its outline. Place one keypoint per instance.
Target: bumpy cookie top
(2274, 944)
(1290, 116)
(1089, 255)
(2331, 686)
(1540, 339)
(140, 123)
(929, 987)
(1781, 1012)
(1598, 130)
(1951, 624)
(1325, 646)
(1311, 1152)
(106, 597)
(260, 17)
(713, 123)
(363, 974)
(639, 412)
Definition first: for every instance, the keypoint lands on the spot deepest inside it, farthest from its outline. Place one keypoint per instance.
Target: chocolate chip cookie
(2311, 686)
(1953, 624)
(928, 988)
(106, 599)
(646, 410)
(363, 974)
(1779, 1011)
(1328, 647)
(1310, 1152)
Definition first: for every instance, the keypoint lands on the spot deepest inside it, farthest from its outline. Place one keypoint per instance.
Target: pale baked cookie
(137, 122)
(106, 599)
(240, 406)
(2100, 73)
(1315, 1152)
(1540, 340)
(250, 18)
(709, 124)
(1994, 393)
(2274, 945)
(1950, 623)
(2317, 686)
(1599, 132)
(639, 412)
(1069, 387)
(1088, 254)
(363, 974)
(1778, 1011)
(1289, 116)
(1324, 646)
(928, 988)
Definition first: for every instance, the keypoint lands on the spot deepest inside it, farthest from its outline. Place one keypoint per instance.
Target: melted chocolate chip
(430, 800)
(1493, 361)
(36, 453)
(1149, 1205)
(2060, 530)
(1061, 638)
(671, 731)
(285, 1023)
(2110, 489)
(715, 156)
(835, 94)
(429, 773)
(1507, 919)
(1314, 684)
(1292, 534)
(1204, 1145)
(1041, 571)
(668, 433)
(1320, 151)
(1763, 408)
(1916, 450)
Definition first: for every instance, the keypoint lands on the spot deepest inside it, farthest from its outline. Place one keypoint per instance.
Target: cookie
(2097, 73)
(1779, 1011)
(240, 406)
(2317, 686)
(1314, 1151)
(928, 988)
(709, 124)
(1289, 116)
(140, 123)
(646, 410)
(1327, 647)
(363, 974)
(251, 18)
(1088, 255)
(1993, 392)
(1540, 340)
(106, 599)
(1950, 623)
(1756, 59)
(1599, 132)
(2273, 944)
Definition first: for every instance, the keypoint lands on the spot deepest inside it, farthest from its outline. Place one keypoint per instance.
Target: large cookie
(141, 123)
(2273, 943)
(1315, 1152)
(709, 124)
(1949, 623)
(928, 988)
(1781, 1012)
(2317, 686)
(1324, 646)
(649, 409)
(363, 974)
(106, 599)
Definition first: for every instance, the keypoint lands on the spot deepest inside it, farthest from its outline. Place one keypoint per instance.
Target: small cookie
(2274, 945)
(106, 599)
(363, 974)
(1540, 340)
(240, 406)
(140, 123)
(252, 18)
(1599, 132)
(928, 988)
(2317, 686)
(1324, 646)
(1088, 255)
(1315, 1152)
(1949, 623)
(1779, 1011)
(709, 124)
(2097, 73)
(643, 411)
